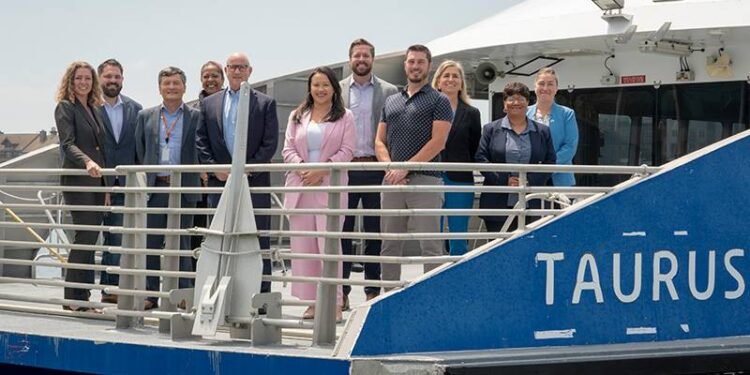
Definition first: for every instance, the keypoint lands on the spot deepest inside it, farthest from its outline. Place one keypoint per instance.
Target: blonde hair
(65, 90)
(439, 72)
(547, 70)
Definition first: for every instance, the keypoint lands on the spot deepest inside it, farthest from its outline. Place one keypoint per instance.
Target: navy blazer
(147, 142)
(120, 152)
(492, 150)
(262, 134)
(463, 140)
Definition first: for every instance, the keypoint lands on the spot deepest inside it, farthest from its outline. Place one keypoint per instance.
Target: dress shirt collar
(118, 102)
(179, 109)
(530, 125)
(371, 81)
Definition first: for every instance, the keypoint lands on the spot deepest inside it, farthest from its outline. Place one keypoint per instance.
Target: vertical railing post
(171, 242)
(324, 331)
(3, 181)
(522, 182)
(134, 220)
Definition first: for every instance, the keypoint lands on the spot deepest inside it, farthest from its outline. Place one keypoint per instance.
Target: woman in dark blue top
(513, 139)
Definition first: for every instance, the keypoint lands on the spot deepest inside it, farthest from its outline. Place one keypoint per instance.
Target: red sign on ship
(626, 80)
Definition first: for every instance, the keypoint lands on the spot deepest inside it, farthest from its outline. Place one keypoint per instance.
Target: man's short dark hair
(420, 48)
(170, 71)
(361, 42)
(111, 62)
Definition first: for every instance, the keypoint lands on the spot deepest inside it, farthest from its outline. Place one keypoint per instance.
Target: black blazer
(122, 152)
(492, 150)
(262, 134)
(147, 142)
(463, 140)
(81, 140)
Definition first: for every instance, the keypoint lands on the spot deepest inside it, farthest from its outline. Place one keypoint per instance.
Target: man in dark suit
(165, 135)
(364, 94)
(118, 116)
(215, 140)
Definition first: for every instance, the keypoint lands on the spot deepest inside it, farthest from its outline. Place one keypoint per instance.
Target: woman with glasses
(513, 139)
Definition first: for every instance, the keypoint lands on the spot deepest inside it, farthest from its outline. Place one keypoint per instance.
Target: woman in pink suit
(319, 130)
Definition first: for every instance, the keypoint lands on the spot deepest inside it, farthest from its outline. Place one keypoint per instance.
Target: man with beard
(118, 114)
(215, 140)
(413, 127)
(364, 94)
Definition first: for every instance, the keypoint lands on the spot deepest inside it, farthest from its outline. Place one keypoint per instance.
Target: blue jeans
(457, 224)
(112, 239)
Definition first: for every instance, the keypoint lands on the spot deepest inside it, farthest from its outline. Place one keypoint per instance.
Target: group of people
(360, 118)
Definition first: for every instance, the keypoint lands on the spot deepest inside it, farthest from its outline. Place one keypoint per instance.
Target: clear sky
(40, 38)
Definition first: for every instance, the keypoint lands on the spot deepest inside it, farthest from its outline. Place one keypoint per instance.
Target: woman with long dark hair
(320, 130)
(79, 126)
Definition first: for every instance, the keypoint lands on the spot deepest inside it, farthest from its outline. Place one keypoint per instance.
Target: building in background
(14, 145)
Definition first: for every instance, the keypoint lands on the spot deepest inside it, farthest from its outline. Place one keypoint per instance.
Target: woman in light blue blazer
(561, 121)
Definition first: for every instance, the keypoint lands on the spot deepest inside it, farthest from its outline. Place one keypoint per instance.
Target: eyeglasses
(238, 67)
(516, 98)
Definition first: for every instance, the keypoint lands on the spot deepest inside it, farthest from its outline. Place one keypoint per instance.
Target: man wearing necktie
(215, 140)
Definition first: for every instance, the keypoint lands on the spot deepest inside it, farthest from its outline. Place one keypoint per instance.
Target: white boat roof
(543, 21)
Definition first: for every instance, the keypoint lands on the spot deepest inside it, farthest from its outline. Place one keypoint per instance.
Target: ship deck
(52, 337)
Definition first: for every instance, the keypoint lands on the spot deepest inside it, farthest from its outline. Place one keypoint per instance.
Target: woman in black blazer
(513, 139)
(79, 126)
(460, 146)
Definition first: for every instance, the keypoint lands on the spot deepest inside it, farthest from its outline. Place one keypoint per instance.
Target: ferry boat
(644, 272)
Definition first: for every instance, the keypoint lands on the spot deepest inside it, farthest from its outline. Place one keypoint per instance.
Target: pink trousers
(310, 245)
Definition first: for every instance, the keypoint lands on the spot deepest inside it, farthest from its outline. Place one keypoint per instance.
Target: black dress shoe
(149, 305)
(345, 306)
(358, 267)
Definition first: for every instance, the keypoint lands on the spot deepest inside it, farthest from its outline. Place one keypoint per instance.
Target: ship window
(616, 131)
(697, 115)
(702, 134)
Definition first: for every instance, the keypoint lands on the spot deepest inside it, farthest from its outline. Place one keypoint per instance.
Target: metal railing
(129, 311)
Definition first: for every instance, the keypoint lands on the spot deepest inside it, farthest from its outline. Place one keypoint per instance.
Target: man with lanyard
(165, 135)
(215, 140)
(364, 94)
(118, 114)
(414, 126)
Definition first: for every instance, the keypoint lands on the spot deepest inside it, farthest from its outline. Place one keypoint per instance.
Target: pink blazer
(338, 145)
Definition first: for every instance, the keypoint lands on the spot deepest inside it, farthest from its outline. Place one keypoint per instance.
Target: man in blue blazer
(165, 135)
(215, 140)
(118, 114)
